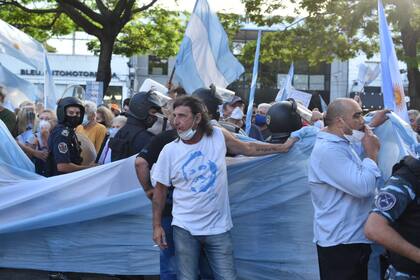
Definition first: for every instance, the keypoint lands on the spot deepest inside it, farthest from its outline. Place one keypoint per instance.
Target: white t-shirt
(198, 173)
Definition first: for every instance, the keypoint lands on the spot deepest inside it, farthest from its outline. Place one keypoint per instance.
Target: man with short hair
(93, 130)
(342, 186)
(195, 165)
(7, 116)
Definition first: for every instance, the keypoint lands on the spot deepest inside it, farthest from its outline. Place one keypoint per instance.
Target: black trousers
(344, 261)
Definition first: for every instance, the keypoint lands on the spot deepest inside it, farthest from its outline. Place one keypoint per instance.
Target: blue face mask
(112, 131)
(260, 120)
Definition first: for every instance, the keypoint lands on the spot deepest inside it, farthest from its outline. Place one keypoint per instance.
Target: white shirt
(198, 173)
(342, 187)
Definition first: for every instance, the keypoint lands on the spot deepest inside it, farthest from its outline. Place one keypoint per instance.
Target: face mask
(319, 124)
(112, 131)
(72, 121)
(260, 120)
(43, 124)
(85, 120)
(355, 137)
(30, 116)
(150, 120)
(187, 134)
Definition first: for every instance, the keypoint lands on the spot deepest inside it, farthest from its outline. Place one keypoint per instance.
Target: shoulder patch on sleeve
(65, 132)
(384, 201)
(62, 148)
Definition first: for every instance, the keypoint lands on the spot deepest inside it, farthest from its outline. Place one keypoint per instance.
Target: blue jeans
(218, 249)
(167, 256)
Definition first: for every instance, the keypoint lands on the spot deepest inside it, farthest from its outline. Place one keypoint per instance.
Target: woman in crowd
(104, 116)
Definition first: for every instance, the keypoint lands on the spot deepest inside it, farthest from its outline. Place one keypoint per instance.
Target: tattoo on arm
(265, 149)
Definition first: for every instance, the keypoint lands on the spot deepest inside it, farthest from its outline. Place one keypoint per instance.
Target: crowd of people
(181, 145)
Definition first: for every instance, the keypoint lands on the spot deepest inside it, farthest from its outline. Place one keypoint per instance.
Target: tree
(102, 19)
(339, 28)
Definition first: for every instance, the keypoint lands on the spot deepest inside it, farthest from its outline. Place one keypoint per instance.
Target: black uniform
(63, 148)
(130, 139)
(399, 202)
(151, 153)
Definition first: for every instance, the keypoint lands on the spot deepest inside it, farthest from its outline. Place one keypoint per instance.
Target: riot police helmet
(141, 103)
(66, 102)
(283, 119)
(211, 99)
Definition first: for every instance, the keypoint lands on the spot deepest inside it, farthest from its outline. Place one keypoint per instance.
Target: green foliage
(156, 31)
(331, 28)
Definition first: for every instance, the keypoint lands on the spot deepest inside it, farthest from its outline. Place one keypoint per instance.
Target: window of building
(157, 65)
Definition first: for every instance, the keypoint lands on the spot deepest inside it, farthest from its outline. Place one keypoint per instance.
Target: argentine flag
(392, 86)
(286, 88)
(204, 57)
(19, 45)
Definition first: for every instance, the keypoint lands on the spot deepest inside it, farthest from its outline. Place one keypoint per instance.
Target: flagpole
(45, 79)
(253, 85)
(171, 77)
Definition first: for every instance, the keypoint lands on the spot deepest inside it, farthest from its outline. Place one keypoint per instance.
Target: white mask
(355, 137)
(85, 120)
(187, 134)
(319, 124)
(43, 124)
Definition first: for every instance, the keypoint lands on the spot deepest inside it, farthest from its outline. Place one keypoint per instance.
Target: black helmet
(282, 119)
(141, 103)
(211, 99)
(65, 102)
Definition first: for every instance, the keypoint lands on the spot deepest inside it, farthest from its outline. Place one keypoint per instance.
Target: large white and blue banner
(392, 86)
(204, 57)
(99, 220)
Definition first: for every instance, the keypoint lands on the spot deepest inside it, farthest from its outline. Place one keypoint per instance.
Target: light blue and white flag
(204, 57)
(324, 105)
(21, 46)
(392, 86)
(50, 97)
(286, 88)
(17, 89)
(253, 85)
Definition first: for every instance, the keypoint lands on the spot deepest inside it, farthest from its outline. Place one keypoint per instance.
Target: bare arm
(378, 229)
(238, 147)
(71, 167)
(143, 174)
(32, 152)
(159, 198)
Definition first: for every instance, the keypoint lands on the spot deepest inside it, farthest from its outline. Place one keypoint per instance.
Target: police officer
(133, 137)
(64, 147)
(395, 220)
(282, 119)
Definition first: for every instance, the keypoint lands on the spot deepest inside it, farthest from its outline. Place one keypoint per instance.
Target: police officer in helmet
(133, 137)
(395, 220)
(211, 99)
(282, 119)
(64, 147)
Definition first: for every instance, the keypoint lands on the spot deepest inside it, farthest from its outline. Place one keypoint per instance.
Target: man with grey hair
(93, 130)
(342, 184)
(412, 116)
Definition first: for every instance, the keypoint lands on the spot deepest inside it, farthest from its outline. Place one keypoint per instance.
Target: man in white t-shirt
(195, 165)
